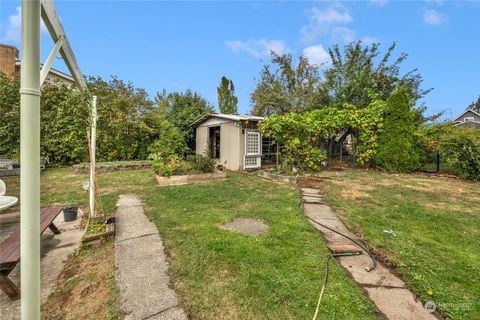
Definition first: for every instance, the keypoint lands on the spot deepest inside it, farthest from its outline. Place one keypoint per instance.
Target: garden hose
(358, 243)
(325, 277)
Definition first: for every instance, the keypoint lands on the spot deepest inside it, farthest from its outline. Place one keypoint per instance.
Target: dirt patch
(86, 287)
(352, 189)
(247, 226)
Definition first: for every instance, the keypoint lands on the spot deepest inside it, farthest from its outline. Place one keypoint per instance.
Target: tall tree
(227, 101)
(398, 150)
(286, 86)
(361, 74)
(475, 105)
(182, 109)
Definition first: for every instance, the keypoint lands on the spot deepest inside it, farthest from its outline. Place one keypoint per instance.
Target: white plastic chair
(6, 201)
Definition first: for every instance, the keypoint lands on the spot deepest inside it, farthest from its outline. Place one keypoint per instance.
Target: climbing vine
(305, 137)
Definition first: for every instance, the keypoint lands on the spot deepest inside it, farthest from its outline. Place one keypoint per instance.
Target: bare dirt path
(142, 266)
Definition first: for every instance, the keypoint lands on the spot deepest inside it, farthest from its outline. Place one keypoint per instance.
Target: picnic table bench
(10, 250)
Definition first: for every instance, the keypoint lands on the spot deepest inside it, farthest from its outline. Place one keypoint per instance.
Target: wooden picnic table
(10, 250)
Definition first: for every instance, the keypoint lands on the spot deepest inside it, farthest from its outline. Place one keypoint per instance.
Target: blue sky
(180, 45)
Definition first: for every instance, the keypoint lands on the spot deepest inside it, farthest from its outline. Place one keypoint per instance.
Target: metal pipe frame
(30, 82)
(30, 161)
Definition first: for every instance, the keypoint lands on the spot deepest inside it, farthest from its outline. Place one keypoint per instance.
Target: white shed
(233, 140)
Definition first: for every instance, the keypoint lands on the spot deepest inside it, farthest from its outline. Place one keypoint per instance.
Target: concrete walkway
(142, 266)
(386, 290)
(54, 252)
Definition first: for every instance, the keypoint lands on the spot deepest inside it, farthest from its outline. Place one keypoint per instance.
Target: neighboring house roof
(469, 113)
(460, 117)
(232, 117)
(55, 72)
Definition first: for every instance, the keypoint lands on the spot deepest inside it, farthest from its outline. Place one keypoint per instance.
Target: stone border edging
(190, 178)
(277, 177)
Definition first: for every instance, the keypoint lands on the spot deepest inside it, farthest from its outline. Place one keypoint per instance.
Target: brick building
(10, 66)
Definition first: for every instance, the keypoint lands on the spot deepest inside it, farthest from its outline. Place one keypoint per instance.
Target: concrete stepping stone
(398, 304)
(310, 191)
(310, 199)
(249, 226)
(386, 290)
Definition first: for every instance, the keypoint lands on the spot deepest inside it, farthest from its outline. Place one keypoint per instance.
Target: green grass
(437, 222)
(114, 163)
(220, 274)
(226, 275)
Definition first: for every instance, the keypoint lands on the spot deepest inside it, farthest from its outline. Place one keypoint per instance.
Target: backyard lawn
(217, 274)
(437, 222)
(220, 274)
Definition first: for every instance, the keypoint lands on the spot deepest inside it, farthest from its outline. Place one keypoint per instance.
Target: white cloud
(321, 22)
(434, 18)
(13, 31)
(342, 34)
(317, 55)
(14, 28)
(258, 47)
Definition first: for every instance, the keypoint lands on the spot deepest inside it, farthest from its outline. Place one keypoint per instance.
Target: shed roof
(232, 117)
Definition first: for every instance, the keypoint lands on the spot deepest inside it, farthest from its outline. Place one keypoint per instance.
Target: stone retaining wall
(277, 177)
(190, 178)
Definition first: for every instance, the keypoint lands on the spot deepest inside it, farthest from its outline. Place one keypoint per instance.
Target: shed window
(469, 119)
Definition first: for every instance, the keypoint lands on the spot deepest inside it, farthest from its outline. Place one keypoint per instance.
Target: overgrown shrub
(461, 149)
(398, 150)
(201, 163)
(176, 166)
(169, 144)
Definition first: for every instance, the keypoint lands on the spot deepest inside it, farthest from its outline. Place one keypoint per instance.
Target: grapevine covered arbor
(31, 78)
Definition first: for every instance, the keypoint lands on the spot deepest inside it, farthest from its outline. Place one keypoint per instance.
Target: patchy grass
(437, 221)
(221, 274)
(86, 288)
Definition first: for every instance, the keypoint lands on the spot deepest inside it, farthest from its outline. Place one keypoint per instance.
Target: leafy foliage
(475, 105)
(201, 163)
(10, 111)
(398, 150)
(304, 136)
(360, 74)
(227, 101)
(182, 109)
(175, 165)
(129, 126)
(63, 125)
(461, 148)
(169, 143)
(122, 132)
(285, 86)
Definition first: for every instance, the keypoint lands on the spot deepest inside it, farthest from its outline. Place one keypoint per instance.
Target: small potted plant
(70, 212)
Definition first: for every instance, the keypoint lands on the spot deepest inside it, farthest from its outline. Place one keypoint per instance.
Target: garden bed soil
(277, 177)
(190, 178)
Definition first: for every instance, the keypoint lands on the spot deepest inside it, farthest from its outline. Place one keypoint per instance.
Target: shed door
(253, 149)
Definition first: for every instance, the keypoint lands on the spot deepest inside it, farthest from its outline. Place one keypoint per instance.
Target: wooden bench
(10, 250)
